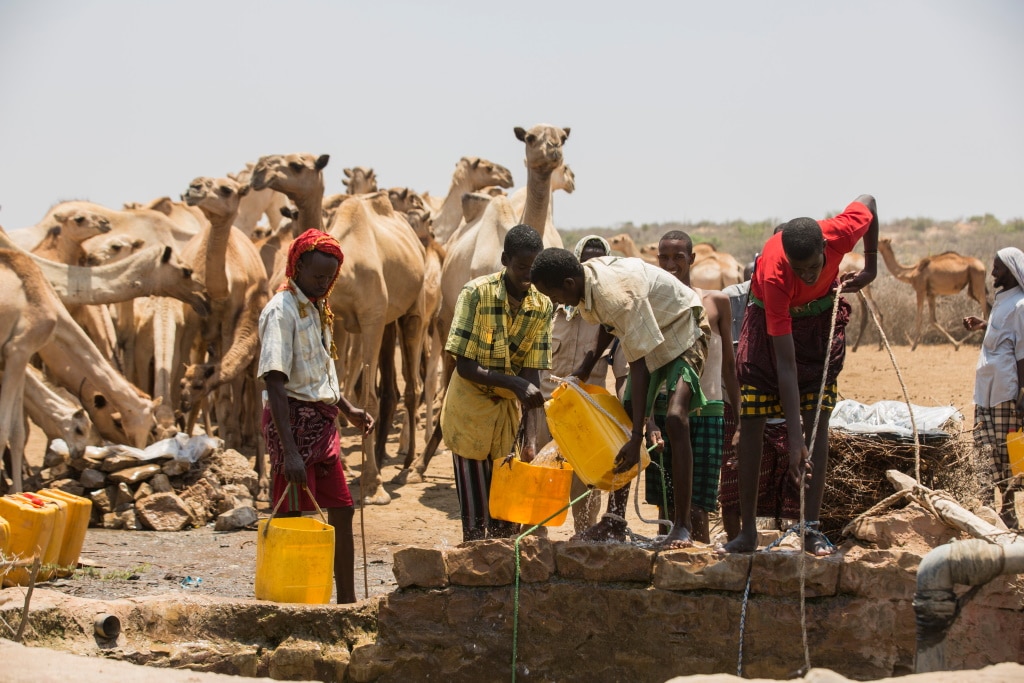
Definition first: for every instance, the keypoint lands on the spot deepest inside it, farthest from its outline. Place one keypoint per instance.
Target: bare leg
(731, 522)
(749, 455)
(344, 553)
(677, 424)
(816, 489)
(699, 524)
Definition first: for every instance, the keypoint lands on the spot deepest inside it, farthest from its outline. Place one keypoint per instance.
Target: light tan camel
(59, 414)
(471, 174)
(111, 248)
(359, 180)
(257, 205)
(152, 226)
(711, 269)
(236, 281)
(380, 296)
(478, 251)
(945, 274)
(403, 200)
(625, 245)
(28, 321)
(854, 263)
(561, 179)
(188, 219)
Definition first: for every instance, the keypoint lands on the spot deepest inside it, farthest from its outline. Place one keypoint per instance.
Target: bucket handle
(284, 494)
(573, 383)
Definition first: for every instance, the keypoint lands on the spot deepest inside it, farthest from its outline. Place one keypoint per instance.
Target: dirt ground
(122, 564)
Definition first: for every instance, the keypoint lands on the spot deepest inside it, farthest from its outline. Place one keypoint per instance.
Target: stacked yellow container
(32, 525)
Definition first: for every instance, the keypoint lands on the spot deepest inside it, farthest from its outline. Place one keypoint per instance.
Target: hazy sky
(679, 110)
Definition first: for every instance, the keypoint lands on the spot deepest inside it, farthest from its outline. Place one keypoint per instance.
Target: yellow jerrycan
(5, 544)
(525, 493)
(31, 528)
(51, 556)
(79, 512)
(294, 557)
(590, 426)
(1015, 448)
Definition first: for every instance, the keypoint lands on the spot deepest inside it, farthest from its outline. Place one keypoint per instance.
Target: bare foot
(679, 537)
(608, 530)
(817, 544)
(744, 543)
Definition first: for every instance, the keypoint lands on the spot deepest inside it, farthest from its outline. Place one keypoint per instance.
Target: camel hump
(380, 203)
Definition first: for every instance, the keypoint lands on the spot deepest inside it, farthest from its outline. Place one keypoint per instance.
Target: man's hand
(800, 465)
(628, 455)
(854, 282)
(294, 468)
(529, 395)
(362, 419)
(582, 373)
(972, 323)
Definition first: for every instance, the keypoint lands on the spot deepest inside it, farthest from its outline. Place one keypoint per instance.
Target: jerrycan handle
(284, 494)
(573, 383)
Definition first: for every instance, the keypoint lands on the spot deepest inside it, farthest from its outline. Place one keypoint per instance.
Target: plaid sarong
(991, 425)
(757, 403)
(706, 441)
(777, 495)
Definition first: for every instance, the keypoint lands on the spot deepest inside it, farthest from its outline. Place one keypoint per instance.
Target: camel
(188, 220)
(625, 245)
(28, 321)
(359, 180)
(945, 274)
(59, 414)
(561, 179)
(713, 269)
(471, 174)
(152, 226)
(854, 263)
(112, 248)
(63, 241)
(405, 200)
(257, 204)
(478, 251)
(236, 282)
(379, 295)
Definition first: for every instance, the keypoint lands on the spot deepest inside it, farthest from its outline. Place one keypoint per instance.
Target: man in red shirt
(784, 344)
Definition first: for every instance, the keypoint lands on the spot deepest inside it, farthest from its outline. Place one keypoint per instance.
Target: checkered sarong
(706, 441)
(991, 425)
(757, 403)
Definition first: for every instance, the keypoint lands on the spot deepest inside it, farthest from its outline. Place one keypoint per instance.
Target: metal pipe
(974, 562)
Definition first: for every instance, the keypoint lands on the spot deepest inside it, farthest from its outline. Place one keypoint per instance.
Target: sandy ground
(133, 563)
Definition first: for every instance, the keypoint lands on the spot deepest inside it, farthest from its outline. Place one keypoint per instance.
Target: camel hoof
(381, 497)
(400, 478)
(414, 477)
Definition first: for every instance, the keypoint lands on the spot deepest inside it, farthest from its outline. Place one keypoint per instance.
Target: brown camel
(945, 274)
(359, 180)
(28, 321)
(236, 281)
(471, 174)
(625, 245)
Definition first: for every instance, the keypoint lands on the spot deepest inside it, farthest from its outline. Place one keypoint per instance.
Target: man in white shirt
(999, 378)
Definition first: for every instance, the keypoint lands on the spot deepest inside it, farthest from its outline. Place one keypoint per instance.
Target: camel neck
(216, 277)
(538, 199)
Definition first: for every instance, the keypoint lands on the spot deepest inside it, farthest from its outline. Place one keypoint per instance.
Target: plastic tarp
(892, 417)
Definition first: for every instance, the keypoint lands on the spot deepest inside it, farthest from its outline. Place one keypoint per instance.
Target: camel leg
(940, 328)
(12, 418)
(388, 391)
(370, 484)
(917, 320)
(413, 328)
(430, 377)
(416, 472)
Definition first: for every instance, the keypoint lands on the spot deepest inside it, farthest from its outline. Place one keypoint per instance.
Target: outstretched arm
(854, 282)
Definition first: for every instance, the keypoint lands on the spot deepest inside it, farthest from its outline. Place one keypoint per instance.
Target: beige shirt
(647, 308)
(293, 341)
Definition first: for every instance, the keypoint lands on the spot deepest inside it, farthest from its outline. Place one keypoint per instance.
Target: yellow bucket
(1015, 447)
(528, 494)
(31, 529)
(79, 512)
(589, 438)
(294, 559)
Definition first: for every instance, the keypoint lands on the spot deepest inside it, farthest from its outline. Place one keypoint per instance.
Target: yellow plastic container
(294, 560)
(5, 544)
(528, 494)
(1015, 447)
(31, 529)
(79, 513)
(51, 556)
(589, 438)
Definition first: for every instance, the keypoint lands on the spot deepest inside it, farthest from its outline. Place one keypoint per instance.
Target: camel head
(112, 248)
(478, 173)
(81, 224)
(649, 252)
(166, 423)
(623, 244)
(543, 146)
(563, 179)
(421, 223)
(133, 427)
(292, 174)
(198, 381)
(171, 277)
(217, 198)
(404, 199)
(359, 180)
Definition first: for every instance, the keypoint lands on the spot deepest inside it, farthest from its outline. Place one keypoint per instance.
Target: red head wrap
(312, 240)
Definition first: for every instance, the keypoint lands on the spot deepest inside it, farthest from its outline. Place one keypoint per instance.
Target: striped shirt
(647, 308)
(485, 329)
(293, 341)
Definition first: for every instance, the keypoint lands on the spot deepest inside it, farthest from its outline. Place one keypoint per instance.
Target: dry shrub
(858, 463)
(898, 304)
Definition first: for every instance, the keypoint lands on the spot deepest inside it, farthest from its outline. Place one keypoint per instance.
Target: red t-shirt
(776, 284)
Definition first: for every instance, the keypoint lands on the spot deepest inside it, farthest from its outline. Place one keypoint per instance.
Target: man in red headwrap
(303, 397)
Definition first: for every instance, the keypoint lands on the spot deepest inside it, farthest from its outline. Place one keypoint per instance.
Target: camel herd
(129, 325)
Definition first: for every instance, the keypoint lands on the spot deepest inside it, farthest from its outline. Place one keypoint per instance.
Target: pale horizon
(679, 112)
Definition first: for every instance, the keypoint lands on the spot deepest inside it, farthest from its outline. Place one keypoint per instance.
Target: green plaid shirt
(485, 331)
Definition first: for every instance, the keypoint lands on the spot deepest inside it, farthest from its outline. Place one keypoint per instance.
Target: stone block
(606, 562)
(238, 518)
(370, 662)
(294, 660)
(92, 478)
(119, 461)
(101, 500)
(164, 512)
(481, 563)
(424, 567)
(884, 574)
(536, 559)
(701, 569)
(135, 475)
(69, 486)
(161, 483)
(778, 573)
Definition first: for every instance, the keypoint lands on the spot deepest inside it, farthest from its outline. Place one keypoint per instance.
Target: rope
(515, 602)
